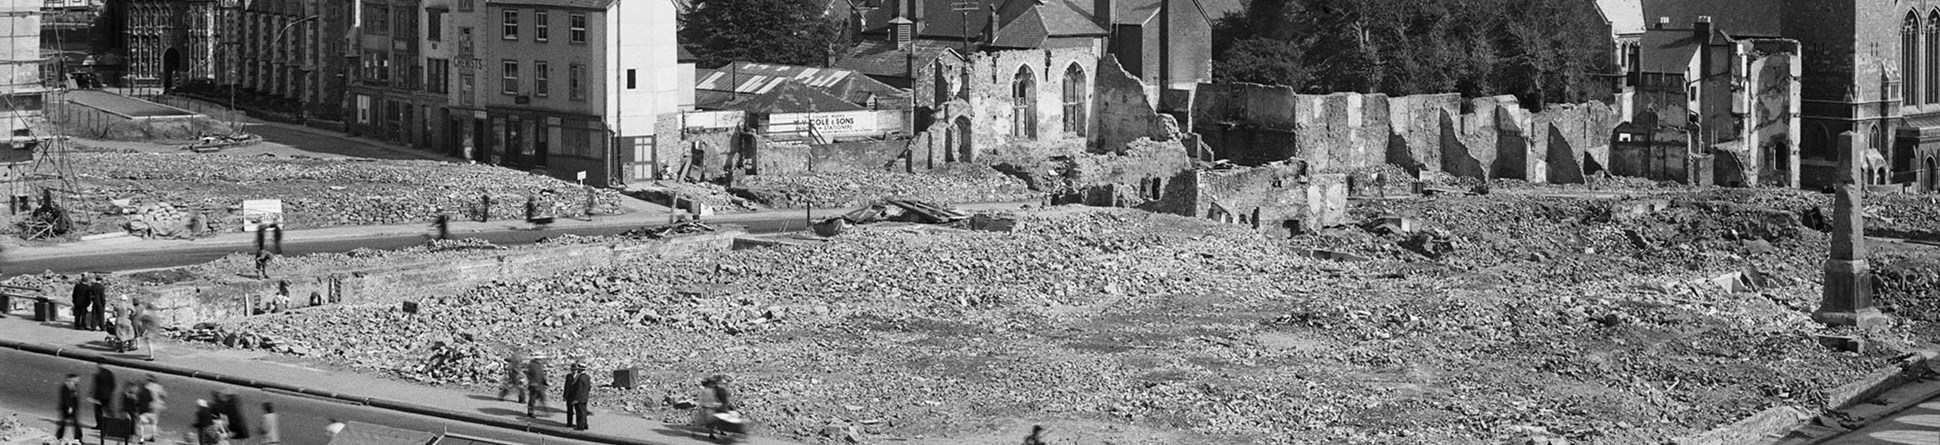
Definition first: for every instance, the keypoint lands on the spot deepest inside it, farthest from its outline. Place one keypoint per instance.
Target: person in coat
(210, 428)
(514, 377)
(97, 302)
(535, 386)
(152, 399)
(230, 407)
(81, 298)
(103, 394)
(124, 324)
(271, 430)
(70, 408)
(579, 391)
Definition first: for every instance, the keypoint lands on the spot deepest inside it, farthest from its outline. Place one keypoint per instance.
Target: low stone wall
(191, 304)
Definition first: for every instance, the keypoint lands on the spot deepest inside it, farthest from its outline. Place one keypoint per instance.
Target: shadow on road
(486, 398)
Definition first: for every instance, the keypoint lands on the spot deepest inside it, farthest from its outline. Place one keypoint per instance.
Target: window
(1074, 100)
(1910, 60)
(437, 75)
(465, 89)
(1931, 78)
(434, 24)
(576, 28)
(575, 140)
(539, 78)
(406, 20)
(465, 5)
(511, 24)
(464, 42)
(377, 68)
(629, 78)
(511, 76)
(576, 81)
(541, 24)
(1023, 111)
(377, 19)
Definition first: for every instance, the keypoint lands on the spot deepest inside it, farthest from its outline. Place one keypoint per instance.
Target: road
(136, 259)
(315, 143)
(33, 379)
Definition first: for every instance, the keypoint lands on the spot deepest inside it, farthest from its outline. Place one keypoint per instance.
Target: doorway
(1932, 176)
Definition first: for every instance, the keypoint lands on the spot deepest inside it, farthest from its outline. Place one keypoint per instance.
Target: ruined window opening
(942, 80)
(1931, 77)
(1256, 218)
(1910, 59)
(1074, 100)
(1023, 95)
(1157, 189)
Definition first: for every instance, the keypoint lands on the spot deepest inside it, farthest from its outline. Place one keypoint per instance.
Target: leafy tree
(791, 32)
(1538, 50)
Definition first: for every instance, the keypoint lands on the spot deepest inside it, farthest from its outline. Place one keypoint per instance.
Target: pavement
(263, 370)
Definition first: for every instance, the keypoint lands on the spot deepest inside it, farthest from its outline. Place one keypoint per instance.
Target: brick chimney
(1663, 22)
(1701, 28)
(989, 26)
(918, 15)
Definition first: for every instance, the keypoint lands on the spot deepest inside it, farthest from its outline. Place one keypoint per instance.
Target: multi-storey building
(570, 86)
(169, 41)
(391, 99)
(278, 53)
(20, 75)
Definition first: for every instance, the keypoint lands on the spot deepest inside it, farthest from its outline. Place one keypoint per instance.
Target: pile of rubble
(316, 192)
(714, 196)
(164, 220)
(1558, 320)
(954, 183)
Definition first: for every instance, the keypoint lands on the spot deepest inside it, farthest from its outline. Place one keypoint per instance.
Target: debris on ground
(952, 184)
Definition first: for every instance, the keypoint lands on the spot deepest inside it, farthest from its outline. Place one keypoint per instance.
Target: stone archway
(961, 132)
(171, 62)
(1933, 175)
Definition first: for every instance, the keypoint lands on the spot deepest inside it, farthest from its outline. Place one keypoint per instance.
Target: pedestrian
(579, 391)
(152, 399)
(532, 208)
(444, 225)
(335, 426)
(210, 427)
(485, 207)
(103, 394)
(715, 398)
(81, 298)
(1036, 437)
(535, 386)
(97, 301)
(263, 256)
(146, 324)
(514, 376)
(70, 408)
(272, 433)
(230, 407)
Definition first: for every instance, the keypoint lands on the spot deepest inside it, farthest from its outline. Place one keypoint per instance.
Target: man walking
(579, 391)
(514, 377)
(70, 408)
(263, 256)
(103, 392)
(152, 400)
(535, 386)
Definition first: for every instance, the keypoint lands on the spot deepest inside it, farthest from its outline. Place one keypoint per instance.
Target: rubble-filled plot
(1601, 321)
(953, 183)
(314, 192)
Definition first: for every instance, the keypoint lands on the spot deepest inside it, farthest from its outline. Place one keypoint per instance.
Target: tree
(789, 32)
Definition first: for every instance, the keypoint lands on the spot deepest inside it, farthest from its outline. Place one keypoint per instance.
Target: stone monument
(1847, 299)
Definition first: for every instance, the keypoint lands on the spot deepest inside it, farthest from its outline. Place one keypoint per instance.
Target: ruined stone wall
(794, 158)
(1490, 137)
(1275, 199)
(1124, 112)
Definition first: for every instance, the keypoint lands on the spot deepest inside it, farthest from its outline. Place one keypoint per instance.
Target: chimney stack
(1663, 22)
(1702, 28)
(1102, 11)
(917, 16)
(989, 26)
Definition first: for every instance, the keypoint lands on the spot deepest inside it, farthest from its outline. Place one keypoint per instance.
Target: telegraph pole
(963, 7)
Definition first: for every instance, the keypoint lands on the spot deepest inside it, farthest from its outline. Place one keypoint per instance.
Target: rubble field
(954, 183)
(315, 192)
(1557, 319)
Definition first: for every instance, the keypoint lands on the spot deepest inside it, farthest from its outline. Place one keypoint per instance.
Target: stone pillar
(1847, 299)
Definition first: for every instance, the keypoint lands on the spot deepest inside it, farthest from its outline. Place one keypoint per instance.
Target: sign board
(829, 125)
(259, 212)
(582, 175)
(713, 119)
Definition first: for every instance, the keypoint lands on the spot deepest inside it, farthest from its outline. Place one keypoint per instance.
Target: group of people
(125, 320)
(527, 379)
(218, 419)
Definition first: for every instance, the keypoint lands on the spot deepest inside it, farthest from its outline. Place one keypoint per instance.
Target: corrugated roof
(790, 96)
(1625, 16)
(1739, 18)
(359, 433)
(758, 78)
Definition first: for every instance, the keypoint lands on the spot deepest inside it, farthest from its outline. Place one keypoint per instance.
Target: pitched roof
(1738, 18)
(686, 57)
(1027, 31)
(942, 21)
(876, 57)
(1625, 16)
(1666, 51)
(359, 433)
(757, 78)
(582, 4)
(793, 97)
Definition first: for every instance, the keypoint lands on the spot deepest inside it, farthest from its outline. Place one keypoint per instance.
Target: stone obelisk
(1848, 296)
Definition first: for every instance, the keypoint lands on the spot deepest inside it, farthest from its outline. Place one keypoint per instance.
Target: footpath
(264, 371)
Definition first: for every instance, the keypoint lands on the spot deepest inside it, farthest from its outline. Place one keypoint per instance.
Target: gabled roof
(581, 4)
(685, 57)
(1738, 18)
(1027, 31)
(1625, 16)
(793, 97)
(1667, 51)
(942, 21)
(876, 57)
(758, 78)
